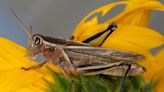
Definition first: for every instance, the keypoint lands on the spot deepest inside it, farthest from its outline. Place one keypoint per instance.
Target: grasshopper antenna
(28, 31)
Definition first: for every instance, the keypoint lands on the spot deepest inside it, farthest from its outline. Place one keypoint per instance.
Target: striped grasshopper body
(94, 60)
(81, 58)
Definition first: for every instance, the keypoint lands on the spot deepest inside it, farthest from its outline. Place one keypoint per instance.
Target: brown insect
(81, 58)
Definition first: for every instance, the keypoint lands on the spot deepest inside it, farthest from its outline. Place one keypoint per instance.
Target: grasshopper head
(35, 46)
(35, 41)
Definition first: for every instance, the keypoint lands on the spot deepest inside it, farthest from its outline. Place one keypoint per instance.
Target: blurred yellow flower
(12, 77)
(132, 34)
(160, 71)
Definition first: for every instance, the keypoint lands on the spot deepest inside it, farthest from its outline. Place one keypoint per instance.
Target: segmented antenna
(28, 31)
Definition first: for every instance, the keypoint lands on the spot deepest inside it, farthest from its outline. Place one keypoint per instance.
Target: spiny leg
(35, 67)
(98, 69)
(66, 58)
(109, 29)
(128, 68)
(112, 28)
(99, 66)
(122, 82)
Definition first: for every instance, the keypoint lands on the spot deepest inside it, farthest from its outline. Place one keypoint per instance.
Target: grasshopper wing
(105, 53)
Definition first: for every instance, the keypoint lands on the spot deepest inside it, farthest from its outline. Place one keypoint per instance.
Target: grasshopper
(81, 58)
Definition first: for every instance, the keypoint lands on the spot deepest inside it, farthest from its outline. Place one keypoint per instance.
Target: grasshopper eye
(37, 41)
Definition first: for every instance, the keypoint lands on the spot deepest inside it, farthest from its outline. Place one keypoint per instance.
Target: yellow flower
(12, 77)
(160, 70)
(132, 34)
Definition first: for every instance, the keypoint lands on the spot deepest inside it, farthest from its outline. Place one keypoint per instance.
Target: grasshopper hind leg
(122, 82)
(107, 69)
(128, 68)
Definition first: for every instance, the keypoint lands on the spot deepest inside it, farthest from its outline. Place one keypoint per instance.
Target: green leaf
(61, 84)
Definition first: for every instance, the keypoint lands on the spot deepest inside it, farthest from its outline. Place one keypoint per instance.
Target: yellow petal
(38, 86)
(86, 25)
(134, 14)
(148, 4)
(12, 77)
(138, 36)
(94, 21)
(126, 46)
(159, 56)
(160, 71)
(154, 69)
(137, 14)
(17, 79)
(88, 32)
(160, 85)
(12, 56)
(29, 89)
(160, 64)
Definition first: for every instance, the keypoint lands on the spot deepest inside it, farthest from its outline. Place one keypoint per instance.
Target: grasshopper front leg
(35, 67)
(46, 58)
